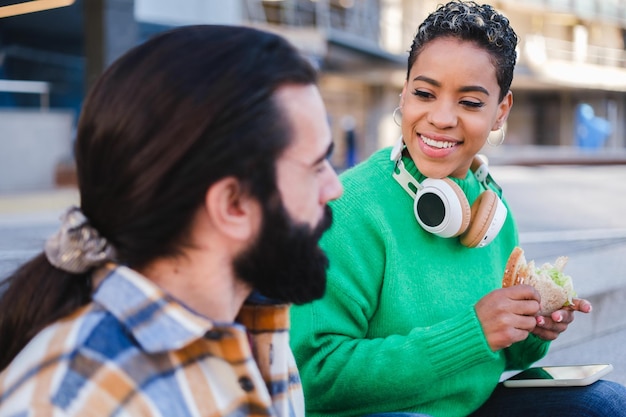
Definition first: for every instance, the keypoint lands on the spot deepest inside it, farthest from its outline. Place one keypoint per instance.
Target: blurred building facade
(571, 54)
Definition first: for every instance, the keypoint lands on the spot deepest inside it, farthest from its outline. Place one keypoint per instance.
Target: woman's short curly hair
(469, 21)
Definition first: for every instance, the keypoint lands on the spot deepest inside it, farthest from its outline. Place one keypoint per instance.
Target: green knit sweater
(397, 329)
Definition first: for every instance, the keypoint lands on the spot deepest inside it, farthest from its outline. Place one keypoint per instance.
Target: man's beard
(285, 262)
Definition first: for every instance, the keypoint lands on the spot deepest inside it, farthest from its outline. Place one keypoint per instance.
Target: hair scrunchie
(77, 247)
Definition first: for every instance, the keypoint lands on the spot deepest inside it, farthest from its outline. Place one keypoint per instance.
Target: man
(202, 160)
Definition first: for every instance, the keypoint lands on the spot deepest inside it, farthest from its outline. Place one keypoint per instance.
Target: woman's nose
(442, 114)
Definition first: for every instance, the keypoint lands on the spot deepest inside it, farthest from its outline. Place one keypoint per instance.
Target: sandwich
(555, 288)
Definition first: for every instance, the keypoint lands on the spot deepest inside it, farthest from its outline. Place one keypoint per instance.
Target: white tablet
(559, 376)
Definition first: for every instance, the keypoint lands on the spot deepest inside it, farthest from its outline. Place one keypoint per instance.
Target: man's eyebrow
(327, 154)
(465, 89)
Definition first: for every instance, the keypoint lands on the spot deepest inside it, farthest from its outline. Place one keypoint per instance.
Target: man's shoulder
(61, 360)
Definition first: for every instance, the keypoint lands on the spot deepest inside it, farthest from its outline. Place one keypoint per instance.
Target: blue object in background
(6, 99)
(348, 124)
(350, 148)
(591, 132)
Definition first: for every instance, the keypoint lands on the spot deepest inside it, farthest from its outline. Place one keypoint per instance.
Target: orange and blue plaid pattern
(136, 351)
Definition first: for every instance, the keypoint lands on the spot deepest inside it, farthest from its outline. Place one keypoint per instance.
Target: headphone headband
(406, 180)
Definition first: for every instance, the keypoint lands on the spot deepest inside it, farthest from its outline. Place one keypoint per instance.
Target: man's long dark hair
(164, 122)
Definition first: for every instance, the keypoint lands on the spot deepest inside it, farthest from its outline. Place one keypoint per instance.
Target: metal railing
(360, 18)
(607, 10)
(558, 49)
(28, 87)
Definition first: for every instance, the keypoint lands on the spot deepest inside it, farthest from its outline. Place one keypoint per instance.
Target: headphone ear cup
(441, 208)
(488, 215)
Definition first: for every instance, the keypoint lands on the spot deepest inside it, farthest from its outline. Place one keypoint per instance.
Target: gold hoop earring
(397, 111)
(498, 143)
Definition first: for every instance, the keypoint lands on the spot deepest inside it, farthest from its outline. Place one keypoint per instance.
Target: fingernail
(559, 319)
(541, 321)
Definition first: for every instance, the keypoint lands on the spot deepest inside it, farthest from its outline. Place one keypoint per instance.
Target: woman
(414, 319)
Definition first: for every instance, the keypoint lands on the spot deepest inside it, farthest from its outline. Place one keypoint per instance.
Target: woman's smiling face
(449, 105)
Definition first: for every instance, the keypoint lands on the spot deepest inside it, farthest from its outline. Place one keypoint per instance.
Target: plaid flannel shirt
(136, 351)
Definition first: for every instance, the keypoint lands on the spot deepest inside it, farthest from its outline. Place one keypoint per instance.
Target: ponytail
(37, 294)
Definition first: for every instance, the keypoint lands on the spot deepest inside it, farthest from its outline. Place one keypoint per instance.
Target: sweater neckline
(412, 169)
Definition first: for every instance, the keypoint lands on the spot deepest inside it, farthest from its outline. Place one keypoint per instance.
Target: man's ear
(231, 210)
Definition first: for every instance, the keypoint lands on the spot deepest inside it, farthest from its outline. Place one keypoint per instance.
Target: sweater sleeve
(343, 367)
(523, 354)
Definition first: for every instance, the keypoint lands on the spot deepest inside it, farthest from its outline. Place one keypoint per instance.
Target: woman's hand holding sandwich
(550, 326)
(508, 315)
(555, 289)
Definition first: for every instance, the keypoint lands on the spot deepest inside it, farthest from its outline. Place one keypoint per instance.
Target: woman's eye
(472, 104)
(422, 94)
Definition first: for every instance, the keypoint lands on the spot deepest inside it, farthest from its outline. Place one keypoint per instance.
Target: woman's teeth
(436, 143)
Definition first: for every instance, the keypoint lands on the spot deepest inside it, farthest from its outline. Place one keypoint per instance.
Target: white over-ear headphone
(441, 207)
